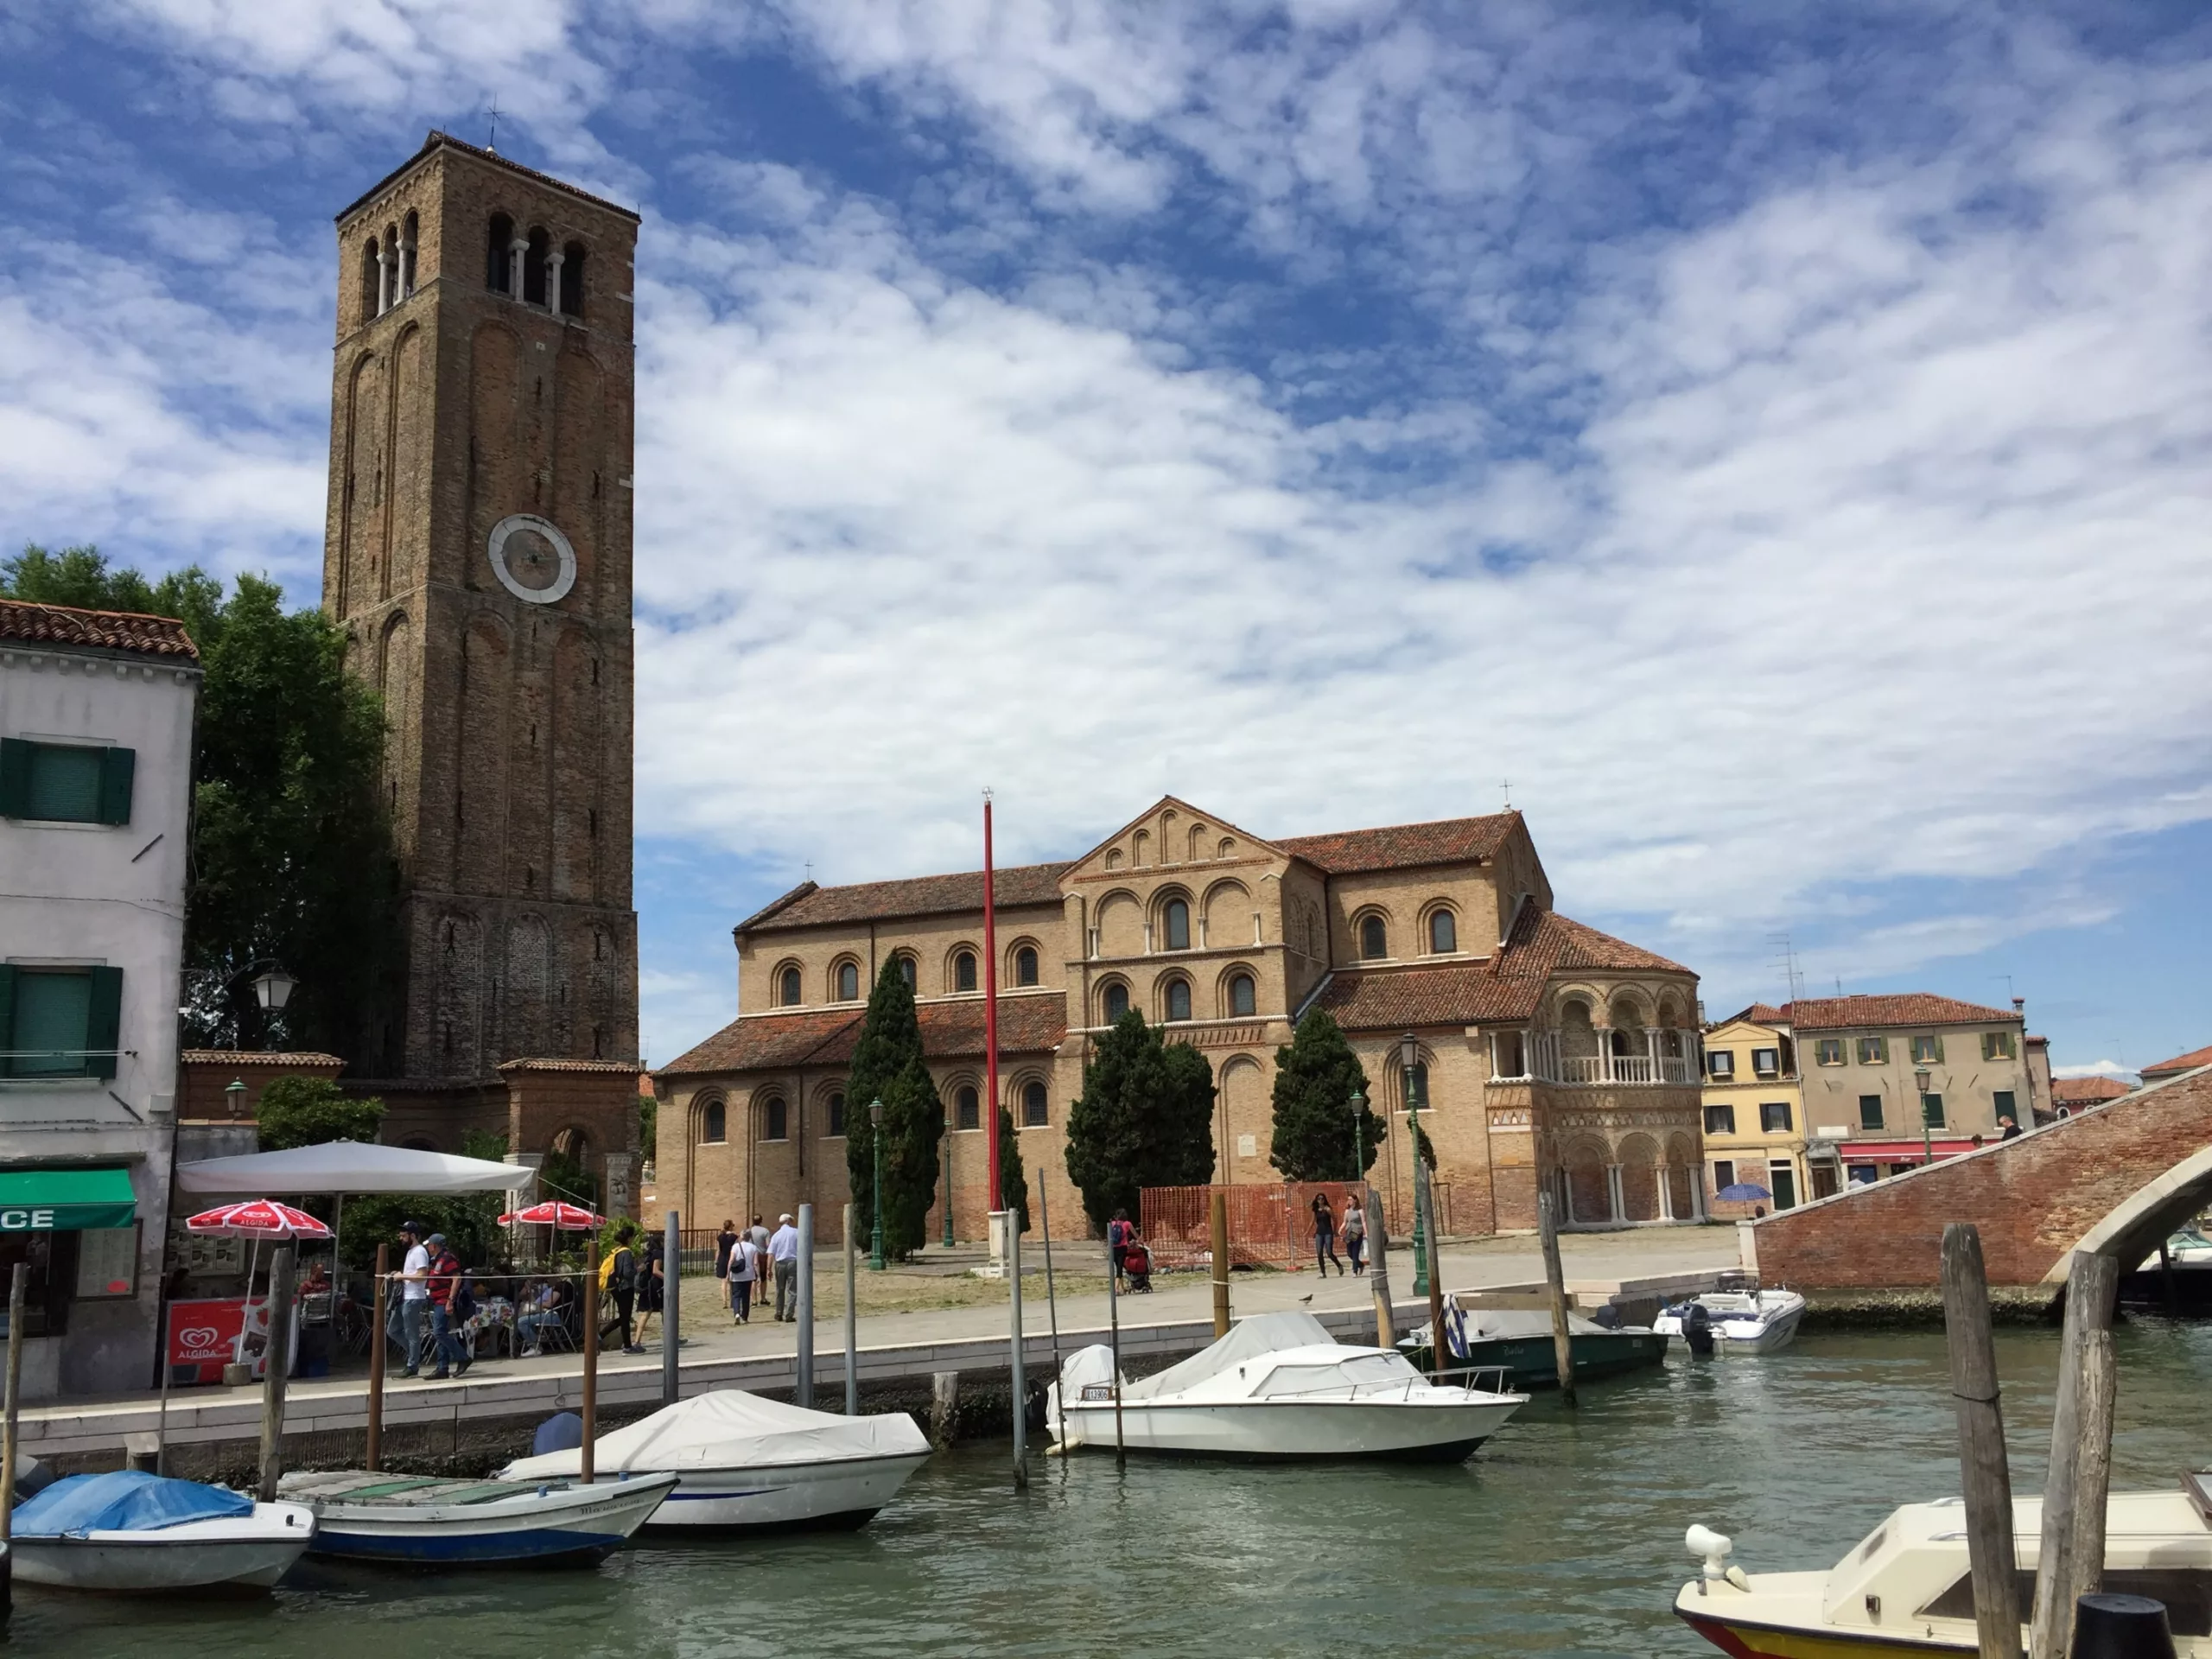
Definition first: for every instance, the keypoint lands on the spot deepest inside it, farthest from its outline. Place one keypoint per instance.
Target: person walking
(2011, 1128)
(758, 1232)
(1324, 1236)
(621, 1276)
(725, 1241)
(414, 1276)
(446, 1311)
(1355, 1232)
(744, 1274)
(1119, 1232)
(782, 1253)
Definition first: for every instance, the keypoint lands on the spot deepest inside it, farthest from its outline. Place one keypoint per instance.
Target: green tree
(1144, 1119)
(305, 1111)
(1316, 1075)
(887, 1066)
(80, 576)
(648, 1125)
(560, 1176)
(1014, 1180)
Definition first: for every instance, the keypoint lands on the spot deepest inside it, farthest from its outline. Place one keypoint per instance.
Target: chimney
(2020, 1007)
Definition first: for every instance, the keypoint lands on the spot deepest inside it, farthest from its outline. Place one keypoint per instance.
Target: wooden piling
(1555, 1292)
(1378, 1272)
(1017, 1373)
(803, 1393)
(1220, 1219)
(1983, 1470)
(18, 1309)
(1424, 1198)
(276, 1362)
(2072, 1556)
(1052, 1305)
(672, 1312)
(376, 1342)
(590, 1413)
(852, 1317)
(1114, 1337)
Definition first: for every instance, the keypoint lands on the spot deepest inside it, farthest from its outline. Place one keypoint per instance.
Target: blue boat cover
(128, 1500)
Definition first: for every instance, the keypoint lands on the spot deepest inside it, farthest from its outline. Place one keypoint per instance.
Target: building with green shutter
(96, 745)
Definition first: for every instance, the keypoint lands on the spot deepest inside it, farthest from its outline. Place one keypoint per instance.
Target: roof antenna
(493, 142)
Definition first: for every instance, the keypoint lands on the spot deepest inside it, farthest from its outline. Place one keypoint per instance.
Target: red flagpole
(990, 1008)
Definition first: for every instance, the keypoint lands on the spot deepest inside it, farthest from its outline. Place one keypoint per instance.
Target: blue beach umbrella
(1743, 1190)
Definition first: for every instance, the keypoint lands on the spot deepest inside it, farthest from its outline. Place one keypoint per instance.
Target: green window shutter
(7, 1017)
(15, 777)
(116, 766)
(104, 1022)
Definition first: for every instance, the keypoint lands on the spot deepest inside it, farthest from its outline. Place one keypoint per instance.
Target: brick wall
(206, 1073)
(2033, 1198)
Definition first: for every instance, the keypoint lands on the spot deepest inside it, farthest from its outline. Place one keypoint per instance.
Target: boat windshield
(1361, 1369)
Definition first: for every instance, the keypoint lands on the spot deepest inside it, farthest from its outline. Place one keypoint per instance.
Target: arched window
(369, 280)
(1244, 995)
(1420, 1084)
(790, 990)
(1025, 966)
(968, 1107)
(963, 972)
(1117, 1001)
(533, 266)
(1177, 918)
(714, 1123)
(407, 231)
(906, 971)
(849, 982)
(1032, 1105)
(1443, 934)
(775, 1119)
(837, 1114)
(572, 280)
(496, 266)
(1374, 940)
(1178, 999)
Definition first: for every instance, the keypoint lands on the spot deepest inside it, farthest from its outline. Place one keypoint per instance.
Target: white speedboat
(365, 1516)
(1277, 1386)
(743, 1461)
(1742, 1321)
(132, 1531)
(1905, 1589)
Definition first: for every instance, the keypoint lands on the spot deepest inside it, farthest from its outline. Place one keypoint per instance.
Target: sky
(1774, 437)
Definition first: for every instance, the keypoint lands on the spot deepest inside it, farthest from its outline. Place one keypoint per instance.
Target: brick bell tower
(478, 553)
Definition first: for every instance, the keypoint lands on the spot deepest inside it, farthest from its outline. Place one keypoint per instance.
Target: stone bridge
(2115, 1178)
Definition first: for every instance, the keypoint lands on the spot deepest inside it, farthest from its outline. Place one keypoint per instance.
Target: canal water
(1563, 1535)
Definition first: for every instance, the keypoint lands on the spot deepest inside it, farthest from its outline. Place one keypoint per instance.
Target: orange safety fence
(1268, 1226)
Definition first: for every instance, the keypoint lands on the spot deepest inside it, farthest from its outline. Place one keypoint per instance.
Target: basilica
(1550, 1056)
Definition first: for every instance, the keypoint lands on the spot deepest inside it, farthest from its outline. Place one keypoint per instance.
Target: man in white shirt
(783, 1250)
(414, 1278)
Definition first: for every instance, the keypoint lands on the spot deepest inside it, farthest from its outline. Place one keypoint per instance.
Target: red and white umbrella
(257, 1218)
(568, 1217)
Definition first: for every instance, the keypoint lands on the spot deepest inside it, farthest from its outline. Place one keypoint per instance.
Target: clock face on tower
(532, 558)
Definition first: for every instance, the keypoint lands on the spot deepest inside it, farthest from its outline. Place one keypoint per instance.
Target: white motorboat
(365, 1516)
(744, 1461)
(132, 1531)
(1277, 1386)
(1742, 1321)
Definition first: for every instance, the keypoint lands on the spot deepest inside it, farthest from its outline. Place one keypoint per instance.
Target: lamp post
(876, 1139)
(234, 1097)
(1926, 1142)
(1409, 1059)
(1359, 1132)
(273, 989)
(945, 1175)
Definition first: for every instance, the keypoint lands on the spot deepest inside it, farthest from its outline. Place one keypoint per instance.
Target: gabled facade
(1552, 1053)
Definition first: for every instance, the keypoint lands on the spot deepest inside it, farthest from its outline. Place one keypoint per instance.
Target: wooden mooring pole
(590, 1413)
(1982, 1467)
(276, 1361)
(1378, 1271)
(1114, 1336)
(377, 1341)
(1220, 1219)
(1555, 1291)
(19, 1286)
(852, 1316)
(2072, 1550)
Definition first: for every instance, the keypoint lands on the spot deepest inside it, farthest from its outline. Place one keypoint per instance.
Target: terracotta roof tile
(2188, 1062)
(2074, 1092)
(1906, 1008)
(922, 895)
(66, 625)
(1404, 846)
(241, 1057)
(555, 1064)
(1027, 1024)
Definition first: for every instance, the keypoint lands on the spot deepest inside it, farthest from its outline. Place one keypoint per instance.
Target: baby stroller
(1136, 1266)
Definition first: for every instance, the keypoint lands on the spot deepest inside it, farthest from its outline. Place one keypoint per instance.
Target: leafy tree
(291, 849)
(560, 1176)
(305, 1111)
(1014, 1180)
(1144, 1119)
(887, 1066)
(1316, 1075)
(648, 1125)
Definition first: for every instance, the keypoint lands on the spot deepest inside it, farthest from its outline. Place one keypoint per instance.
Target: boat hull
(1294, 1431)
(572, 1525)
(1747, 1640)
(248, 1553)
(842, 1493)
(1533, 1363)
(1778, 1333)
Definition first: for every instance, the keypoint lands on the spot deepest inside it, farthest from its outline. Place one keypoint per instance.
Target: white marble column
(385, 260)
(516, 249)
(553, 280)
(1613, 1195)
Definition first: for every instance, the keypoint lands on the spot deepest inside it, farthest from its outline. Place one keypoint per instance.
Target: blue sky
(1774, 436)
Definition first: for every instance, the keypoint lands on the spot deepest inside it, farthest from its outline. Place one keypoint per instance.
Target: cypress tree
(1316, 1076)
(1144, 1119)
(1014, 1180)
(887, 1066)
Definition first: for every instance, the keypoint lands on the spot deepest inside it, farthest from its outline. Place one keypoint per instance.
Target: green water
(1563, 1535)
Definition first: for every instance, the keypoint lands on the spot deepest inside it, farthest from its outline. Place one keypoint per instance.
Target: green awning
(65, 1200)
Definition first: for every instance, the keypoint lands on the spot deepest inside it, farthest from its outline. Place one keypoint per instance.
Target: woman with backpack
(617, 1275)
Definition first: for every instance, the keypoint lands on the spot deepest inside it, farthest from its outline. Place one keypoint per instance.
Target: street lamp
(945, 1175)
(1409, 1059)
(235, 1096)
(1359, 1132)
(1926, 1143)
(273, 989)
(875, 1139)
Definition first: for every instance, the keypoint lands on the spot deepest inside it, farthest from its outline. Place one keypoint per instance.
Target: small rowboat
(132, 1531)
(363, 1516)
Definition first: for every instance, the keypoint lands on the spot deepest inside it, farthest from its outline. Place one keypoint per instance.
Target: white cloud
(2096, 1068)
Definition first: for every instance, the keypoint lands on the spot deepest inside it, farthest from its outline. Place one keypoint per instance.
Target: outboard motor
(1697, 1329)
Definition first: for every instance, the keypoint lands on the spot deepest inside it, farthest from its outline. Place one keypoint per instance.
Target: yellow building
(1755, 1130)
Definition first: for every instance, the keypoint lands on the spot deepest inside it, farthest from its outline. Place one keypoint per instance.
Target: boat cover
(125, 1500)
(1515, 1324)
(1262, 1333)
(732, 1429)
